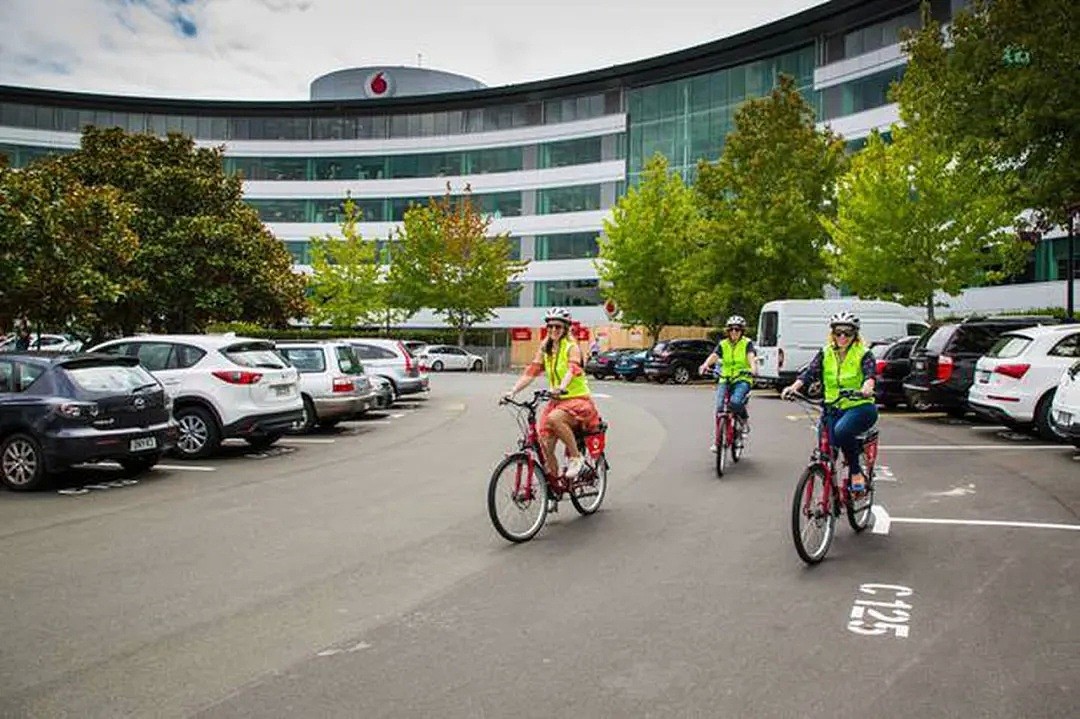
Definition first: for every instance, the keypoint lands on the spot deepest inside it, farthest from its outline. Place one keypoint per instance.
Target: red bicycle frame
(725, 413)
(825, 457)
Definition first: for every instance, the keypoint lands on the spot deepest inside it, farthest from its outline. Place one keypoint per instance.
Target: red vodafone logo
(379, 84)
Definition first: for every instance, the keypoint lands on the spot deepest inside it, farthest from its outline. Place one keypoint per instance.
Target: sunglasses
(555, 326)
(844, 333)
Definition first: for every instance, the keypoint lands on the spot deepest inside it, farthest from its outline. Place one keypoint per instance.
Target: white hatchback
(1016, 380)
(223, 386)
(440, 357)
(1066, 407)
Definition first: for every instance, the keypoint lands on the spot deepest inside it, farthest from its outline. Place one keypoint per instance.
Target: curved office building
(547, 159)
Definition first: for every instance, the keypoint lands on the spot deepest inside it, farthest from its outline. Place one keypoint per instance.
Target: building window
(568, 293)
(300, 251)
(879, 35)
(571, 152)
(554, 200)
(572, 246)
(865, 93)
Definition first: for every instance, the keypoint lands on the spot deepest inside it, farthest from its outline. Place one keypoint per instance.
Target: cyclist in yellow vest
(844, 365)
(737, 357)
(561, 361)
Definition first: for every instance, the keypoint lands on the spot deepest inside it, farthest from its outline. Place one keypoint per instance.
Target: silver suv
(390, 359)
(332, 381)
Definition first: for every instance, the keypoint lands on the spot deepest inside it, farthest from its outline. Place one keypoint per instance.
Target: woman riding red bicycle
(561, 361)
(844, 367)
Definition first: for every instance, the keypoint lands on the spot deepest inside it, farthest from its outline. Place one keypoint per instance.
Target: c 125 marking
(877, 617)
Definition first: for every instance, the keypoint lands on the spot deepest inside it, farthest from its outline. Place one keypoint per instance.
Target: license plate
(143, 443)
(983, 376)
(283, 390)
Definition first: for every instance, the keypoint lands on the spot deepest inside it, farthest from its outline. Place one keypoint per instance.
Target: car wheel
(437, 366)
(309, 419)
(263, 441)
(22, 463)
(680, 374)
(1043, 424)
(199, 434)
(478, 366)
(393, 391)
(139, 465)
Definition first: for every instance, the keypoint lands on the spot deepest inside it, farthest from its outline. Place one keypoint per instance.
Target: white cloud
(272, 49)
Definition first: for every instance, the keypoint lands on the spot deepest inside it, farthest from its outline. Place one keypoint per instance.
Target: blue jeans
(845, 425)
(740, 394)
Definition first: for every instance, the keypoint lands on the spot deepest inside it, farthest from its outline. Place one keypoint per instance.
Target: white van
(790, 332)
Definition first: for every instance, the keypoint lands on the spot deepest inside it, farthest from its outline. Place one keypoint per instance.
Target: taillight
(343, 384)
(780, 357)
(944, 368)
(1016, 371)
(408, 358)
(879, 367)
(78, 410)
(237, 376)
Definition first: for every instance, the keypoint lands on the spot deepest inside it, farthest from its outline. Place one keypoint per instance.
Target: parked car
(603, 364)
(332, 382)
(631, 365)
(223, 386)
(790, 332)
(1016, 380)
(61, 410)
(893, 363)
(677, 360)
(445, 357)
(44, 343)
(1066, 406)
(943, 360)
(392, 360)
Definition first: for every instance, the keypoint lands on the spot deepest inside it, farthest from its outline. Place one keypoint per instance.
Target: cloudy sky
(272, 49)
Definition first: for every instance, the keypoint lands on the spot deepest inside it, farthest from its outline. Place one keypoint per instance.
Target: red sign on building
(521, 334)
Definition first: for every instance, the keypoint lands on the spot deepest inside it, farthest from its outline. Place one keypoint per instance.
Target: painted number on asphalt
(882, 473)
(874, 615)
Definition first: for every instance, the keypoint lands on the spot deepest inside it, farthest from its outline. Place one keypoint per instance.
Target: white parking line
(882, 522)
(306, 440)
(598, 395)
(969, 447)
(396, 416)
(171, 467)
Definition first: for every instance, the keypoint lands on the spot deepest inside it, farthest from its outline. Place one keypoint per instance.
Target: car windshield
(308, 360)
(1009, 346)
(109, 379)
(348, 362)
(255, 354)
(934, 342)
(880, 351)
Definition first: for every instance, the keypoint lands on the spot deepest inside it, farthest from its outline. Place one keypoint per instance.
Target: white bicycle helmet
(844, 318)
(558, 314)
(735, 321)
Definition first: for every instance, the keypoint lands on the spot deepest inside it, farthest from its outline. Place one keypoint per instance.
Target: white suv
(1066, 407)
(222, 386)
(1016, 380)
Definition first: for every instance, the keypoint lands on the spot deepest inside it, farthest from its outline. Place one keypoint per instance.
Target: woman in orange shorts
(560, 359)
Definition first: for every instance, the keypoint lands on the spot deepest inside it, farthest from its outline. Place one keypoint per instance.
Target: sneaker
(575, 467)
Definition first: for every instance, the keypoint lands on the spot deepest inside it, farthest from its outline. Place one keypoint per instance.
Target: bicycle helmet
(844, 318)
(558, 314)
(735, 321)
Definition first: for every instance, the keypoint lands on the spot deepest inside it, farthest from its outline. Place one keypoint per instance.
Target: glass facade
(571, 246)
(23, 155)
(499, 204)
(687, 120)
(865, 93)
(882, 34)
(343, 125)
(571, 152)
(553, 200)
(301, 249)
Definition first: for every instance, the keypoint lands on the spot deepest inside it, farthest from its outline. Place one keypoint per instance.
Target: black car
(61, 410)
(603, 364)
(893, 363)
(943, 360)
(677, 360)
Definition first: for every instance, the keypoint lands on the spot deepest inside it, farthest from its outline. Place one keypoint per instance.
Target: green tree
(912, 220)
(65, 249)
(346, 288)
(444, 258)
(203, 254)
(1002, 92)
(646, 243)
(761, 200)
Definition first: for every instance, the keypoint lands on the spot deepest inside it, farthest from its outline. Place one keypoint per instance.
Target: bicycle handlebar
(538, 396)
(844, 394)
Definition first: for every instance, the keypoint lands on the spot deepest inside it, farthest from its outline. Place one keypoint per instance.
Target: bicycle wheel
(721, 444)
(587, 493)
(738, 443)
(813, 523)
(860, 509)
(517, 498)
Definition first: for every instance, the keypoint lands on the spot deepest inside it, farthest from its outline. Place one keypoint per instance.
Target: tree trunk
(461, 335)
(930, 308)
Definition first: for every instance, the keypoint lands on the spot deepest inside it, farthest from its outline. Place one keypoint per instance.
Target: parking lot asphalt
(356, 573)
